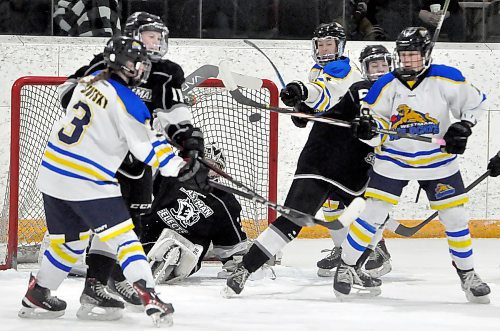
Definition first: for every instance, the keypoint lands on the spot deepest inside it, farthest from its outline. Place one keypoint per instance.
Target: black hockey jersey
(332, 154)
(161, 91)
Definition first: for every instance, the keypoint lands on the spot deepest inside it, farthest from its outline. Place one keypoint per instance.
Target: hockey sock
(338, 236)
(57, 262)
(117, 273)
(460, 244)
(100, 267)
(359, 237)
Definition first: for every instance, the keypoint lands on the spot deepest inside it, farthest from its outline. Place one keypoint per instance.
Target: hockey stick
(199, 76)
(438, 27)
(410, 231)
(248, 42)
(230, 84)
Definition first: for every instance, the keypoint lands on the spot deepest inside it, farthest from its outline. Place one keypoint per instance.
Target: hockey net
(247, 136)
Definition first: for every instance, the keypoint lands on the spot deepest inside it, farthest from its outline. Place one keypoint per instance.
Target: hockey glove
(456, 137)
(494, 165)
(293, 93)
(132, 167)
(187, 137)
(363, 127)
(302, 108)
(194, 174)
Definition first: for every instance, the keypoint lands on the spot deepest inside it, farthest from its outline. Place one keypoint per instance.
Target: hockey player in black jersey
(183, 223)
(331, 164)
(162, 95)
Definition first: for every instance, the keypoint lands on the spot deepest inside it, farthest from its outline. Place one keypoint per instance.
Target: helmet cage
(322, 60)
(161, 48)
(374, 57)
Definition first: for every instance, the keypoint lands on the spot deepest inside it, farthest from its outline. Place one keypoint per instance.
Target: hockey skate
(236, 281)
(379, 261)
(127, 293)
(329, 262)
(160, 312)
(39, 304)
(97, 304)
(475, 289)
(348, 277)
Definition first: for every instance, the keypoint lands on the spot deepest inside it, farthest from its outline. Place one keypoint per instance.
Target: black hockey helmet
(120, 51)
(326, 31)
(140, 22)
(373, 53)
(413, 39)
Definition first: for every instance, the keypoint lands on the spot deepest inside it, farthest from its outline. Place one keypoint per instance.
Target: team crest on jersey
(145, 94)
(411, 121)
(370, 158)
(443, 190)
(188, 212)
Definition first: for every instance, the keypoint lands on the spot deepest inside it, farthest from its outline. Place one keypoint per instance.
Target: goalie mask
(139, 24)
(128, 56)
(375, 62)
(216, 157)
(328, 43)
(416, 41)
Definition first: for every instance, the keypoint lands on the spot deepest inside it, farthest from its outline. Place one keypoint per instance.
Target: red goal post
(250, 145)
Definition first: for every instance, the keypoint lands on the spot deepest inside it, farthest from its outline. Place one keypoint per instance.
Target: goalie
(183, 223)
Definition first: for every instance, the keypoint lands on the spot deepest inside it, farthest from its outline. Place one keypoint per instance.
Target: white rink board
(480, 63)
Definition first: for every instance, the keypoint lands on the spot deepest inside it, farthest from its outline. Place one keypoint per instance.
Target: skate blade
(366, 292)
(484, 299)
(96, 313)
(326, 272)
(383, 270)
(161, 319)
(228, 292)
(39, 313)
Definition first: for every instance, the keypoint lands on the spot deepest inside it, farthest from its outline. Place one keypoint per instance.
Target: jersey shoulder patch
(378, 86)
(132, 103)
(338, 69)
(447, 72)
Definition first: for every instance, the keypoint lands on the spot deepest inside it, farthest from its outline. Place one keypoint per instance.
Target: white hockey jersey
(425, 110)
(328, 84)
(103, 121)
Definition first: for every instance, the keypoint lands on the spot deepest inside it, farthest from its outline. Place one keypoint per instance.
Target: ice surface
(422, 293)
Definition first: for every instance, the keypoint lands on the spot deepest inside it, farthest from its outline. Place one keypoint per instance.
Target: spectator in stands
(454, 22)
(25, 17)
(88, 18)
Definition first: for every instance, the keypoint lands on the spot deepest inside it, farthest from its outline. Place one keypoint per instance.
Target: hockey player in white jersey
(316, 176)
(424, 99)
(104, 121)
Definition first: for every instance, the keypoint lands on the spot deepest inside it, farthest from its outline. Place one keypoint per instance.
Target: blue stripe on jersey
(133, 104)
(338, 69)
(377, 88)
(456, 234)
(73, 175)
(81, 158)
(56, 263)
(152, 152)
(404, 165)
(166, 160)
(393, 151)
(440, 70)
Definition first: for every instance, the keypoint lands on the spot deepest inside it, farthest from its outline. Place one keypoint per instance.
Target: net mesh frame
(249, 146)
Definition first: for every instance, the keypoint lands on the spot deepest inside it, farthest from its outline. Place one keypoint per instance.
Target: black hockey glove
(494, 165)
(456, 137)
(302, 108)
(194, 174)
(132, 167)
(293, 93)
(187, 137)
(363, 127)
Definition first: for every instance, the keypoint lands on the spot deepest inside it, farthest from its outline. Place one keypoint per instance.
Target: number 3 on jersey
(72, 132)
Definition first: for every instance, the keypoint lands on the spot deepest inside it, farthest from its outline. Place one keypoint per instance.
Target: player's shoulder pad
(168, 69)
(316, 67)
(338, 68)
(132, 103)
(378, 87)
(446, 72)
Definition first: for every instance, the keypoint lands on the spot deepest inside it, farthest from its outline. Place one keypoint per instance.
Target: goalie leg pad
(174, 251)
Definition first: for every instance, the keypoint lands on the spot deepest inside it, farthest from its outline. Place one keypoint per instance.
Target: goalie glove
(456, 137)
(294, 93)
